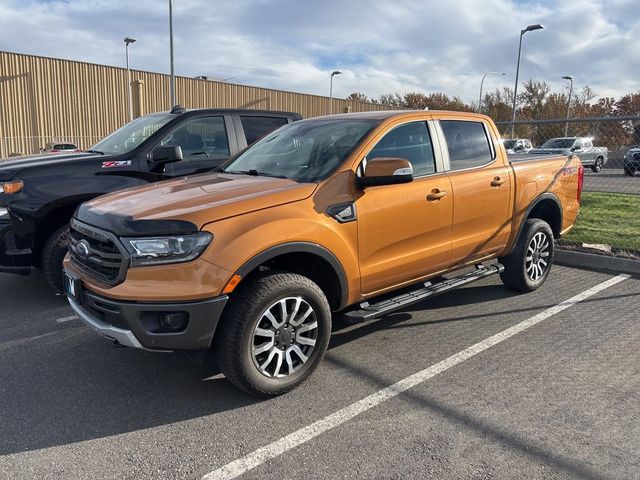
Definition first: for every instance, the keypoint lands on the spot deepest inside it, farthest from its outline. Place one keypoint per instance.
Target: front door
(404, 231)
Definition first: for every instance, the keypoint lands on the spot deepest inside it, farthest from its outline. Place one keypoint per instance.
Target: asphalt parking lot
(559, 399)
(611, 180)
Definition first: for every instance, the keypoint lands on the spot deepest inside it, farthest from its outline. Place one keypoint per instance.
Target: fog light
(175, 321)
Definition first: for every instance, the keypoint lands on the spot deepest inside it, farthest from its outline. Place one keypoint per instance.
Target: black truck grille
(97, 253)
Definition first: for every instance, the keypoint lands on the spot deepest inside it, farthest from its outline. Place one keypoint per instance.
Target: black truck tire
(628, 171)
(597, 166)
(54, 251)
(528, 265)
(251, 323)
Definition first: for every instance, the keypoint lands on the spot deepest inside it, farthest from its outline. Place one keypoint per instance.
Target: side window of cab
(468, 144)
(410, 141)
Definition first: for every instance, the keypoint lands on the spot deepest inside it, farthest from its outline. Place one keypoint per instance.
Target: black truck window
(200, 139)
(257, 127)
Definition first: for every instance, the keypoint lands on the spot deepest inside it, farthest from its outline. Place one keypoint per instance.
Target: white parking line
(67, 319)
(293, 440)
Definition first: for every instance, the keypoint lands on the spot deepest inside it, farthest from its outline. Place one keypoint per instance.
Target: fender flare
(544, 196)
(301, 247)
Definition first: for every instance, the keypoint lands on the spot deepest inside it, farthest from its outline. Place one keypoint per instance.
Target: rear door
(403, 232)
(481, 186)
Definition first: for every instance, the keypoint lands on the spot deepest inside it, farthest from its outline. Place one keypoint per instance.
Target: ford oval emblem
(82, 249)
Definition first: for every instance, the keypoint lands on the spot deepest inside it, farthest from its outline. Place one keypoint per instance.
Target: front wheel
(274, 333)
(628, 171)
(528, 265)
(596, 167)
(53, 253)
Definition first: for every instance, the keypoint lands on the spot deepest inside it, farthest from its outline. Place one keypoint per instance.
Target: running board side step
(369, 311)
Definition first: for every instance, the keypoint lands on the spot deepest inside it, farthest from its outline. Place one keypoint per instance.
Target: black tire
(628, 172)
(247, 311)
(596, 167)
(54, 251)
(516, 274)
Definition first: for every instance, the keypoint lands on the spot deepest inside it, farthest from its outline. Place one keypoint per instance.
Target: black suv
(38, 194)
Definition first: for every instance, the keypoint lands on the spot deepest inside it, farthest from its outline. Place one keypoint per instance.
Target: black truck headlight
(160, 250)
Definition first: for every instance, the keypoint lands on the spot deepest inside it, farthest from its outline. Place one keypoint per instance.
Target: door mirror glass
(166, 154)
(386, 171)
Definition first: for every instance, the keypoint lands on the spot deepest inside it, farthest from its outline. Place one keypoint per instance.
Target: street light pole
(127, 41)
(172, 80)
(333, 74)
(529, 28)
(481, 83)
(566, 124)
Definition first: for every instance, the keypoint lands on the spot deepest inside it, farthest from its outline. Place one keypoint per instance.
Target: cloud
(380, 46)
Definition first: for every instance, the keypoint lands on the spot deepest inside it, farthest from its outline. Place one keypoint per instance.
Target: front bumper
(12, 258)
(139, 325)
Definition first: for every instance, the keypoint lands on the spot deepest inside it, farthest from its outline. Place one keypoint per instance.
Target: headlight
(159, 250)
(4, 213)
(11, 187)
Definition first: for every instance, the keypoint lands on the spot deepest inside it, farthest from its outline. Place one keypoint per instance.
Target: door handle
(496, 182)
(436, 195)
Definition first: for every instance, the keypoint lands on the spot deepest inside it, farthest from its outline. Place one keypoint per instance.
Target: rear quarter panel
(535, 177)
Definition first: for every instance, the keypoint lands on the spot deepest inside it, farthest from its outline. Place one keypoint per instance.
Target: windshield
(558, 143)
(509, 144)
(303, 151)
(132, 134)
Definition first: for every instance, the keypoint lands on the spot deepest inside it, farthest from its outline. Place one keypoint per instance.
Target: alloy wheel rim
(538, 251)
(284, 337)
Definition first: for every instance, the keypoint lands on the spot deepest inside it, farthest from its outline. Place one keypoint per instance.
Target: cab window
(200, 139)
(410, 141)
(467, 143)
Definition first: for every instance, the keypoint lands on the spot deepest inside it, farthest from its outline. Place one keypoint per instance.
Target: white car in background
(517, 145)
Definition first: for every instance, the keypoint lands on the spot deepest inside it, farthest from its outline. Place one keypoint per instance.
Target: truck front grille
(97, 252)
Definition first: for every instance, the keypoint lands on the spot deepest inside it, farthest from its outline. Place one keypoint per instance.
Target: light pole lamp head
(128, 40)
(336, 72)
(531, 28)
(568, 77)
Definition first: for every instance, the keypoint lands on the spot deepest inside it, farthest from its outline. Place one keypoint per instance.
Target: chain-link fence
(609, 147)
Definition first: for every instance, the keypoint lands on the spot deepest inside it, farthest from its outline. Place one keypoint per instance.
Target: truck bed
(527, 157)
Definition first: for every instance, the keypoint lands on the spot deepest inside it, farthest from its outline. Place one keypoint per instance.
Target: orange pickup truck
(359, 213)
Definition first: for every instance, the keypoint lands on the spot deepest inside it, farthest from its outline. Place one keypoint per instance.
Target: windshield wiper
(95, 151)
(254, 173)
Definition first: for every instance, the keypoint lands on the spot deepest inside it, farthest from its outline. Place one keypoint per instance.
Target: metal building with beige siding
(44, 99)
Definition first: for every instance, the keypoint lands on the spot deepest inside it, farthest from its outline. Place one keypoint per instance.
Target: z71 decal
(116, 164)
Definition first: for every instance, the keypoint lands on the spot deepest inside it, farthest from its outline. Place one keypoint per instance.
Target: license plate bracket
(73, 287)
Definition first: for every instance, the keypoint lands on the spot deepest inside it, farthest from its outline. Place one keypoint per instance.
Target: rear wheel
(274, 333)
(528, 265)
(53, 253)
(596, 167)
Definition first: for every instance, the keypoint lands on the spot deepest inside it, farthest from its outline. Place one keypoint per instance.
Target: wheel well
(311, 266)
(51, 222)
(549, 211)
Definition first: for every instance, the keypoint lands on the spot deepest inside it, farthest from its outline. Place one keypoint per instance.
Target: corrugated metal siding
(46, 98)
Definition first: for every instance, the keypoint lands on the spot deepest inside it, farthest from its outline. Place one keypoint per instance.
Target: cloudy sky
(380, 46)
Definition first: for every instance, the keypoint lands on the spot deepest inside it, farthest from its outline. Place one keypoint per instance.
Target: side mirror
(519, 147)
(386, 171)
(166, 154)
(576, 148)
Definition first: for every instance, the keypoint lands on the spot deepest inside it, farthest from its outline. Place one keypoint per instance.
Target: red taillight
(580, 181)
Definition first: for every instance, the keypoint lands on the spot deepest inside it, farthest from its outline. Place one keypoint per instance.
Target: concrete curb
(601, 263)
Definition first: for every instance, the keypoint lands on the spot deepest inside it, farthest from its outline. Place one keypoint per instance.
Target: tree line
(536, 101)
